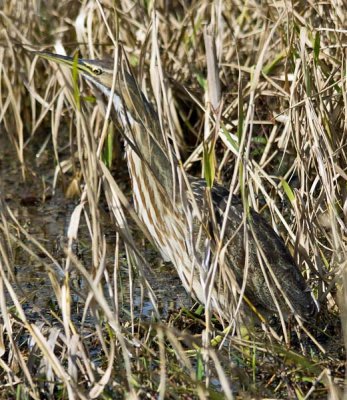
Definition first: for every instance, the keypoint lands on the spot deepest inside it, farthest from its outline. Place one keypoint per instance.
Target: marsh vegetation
(88, 309)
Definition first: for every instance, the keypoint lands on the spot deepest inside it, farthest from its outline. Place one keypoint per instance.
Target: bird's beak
(74, 63)
(57, 58)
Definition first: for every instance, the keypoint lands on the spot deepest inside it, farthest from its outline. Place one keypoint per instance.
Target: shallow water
(46, 215)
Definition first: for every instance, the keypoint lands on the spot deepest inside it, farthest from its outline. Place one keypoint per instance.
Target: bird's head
(96, 71)
(128, 101)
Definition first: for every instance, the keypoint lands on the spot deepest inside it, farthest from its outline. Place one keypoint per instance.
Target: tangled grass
(278, 138)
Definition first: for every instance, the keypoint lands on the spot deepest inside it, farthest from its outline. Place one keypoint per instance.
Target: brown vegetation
(72, 323)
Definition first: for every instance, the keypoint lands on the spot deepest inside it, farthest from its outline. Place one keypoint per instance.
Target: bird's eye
(97, 71)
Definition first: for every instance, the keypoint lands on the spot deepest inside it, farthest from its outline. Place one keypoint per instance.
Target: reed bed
(276, 137)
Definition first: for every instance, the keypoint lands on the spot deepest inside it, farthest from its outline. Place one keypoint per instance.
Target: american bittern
(167, 204)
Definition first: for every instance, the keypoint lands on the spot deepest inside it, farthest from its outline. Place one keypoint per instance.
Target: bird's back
(258, 255)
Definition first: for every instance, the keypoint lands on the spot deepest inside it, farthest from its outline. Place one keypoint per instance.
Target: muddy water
(45, 214)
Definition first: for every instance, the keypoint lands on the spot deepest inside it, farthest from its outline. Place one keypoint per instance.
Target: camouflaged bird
(252, 260)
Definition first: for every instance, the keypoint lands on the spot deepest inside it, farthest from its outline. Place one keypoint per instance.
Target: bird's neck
(151, 157)
(142, 131)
